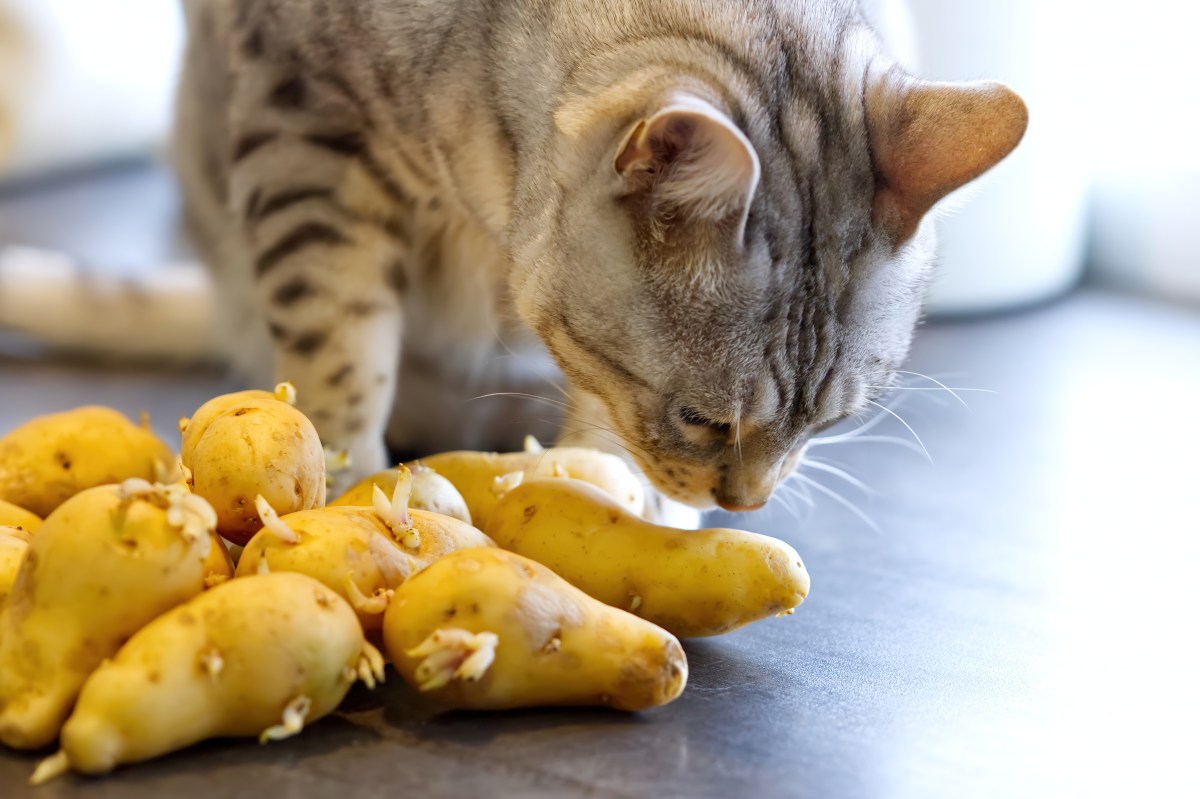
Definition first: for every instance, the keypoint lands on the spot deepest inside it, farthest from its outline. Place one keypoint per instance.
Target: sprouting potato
(218, 564)
(481, 477)
(691, 582)
(430, 491)
(258, 656)
(485, 629)
(193, 429)
(13, 516)
(362, 553)
(51, 458)
(105, 563)
(259, 446)
(14, 541)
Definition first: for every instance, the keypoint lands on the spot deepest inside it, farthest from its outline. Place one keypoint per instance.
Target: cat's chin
(663, 510)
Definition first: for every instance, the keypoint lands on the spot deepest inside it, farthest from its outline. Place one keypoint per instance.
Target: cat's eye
(692, 417)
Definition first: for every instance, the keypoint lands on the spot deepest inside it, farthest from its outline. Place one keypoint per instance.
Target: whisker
(836, 497)
(900, 442)
(938, 383)
(822, 466)
(907, 425)
(536, 397)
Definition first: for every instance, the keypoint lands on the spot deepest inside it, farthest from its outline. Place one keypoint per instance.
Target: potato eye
(692, 417)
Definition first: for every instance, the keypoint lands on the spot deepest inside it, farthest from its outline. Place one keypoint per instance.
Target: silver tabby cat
(709, 212)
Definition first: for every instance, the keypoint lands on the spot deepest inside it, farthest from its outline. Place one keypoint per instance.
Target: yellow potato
(362, 553)
(481, 477)
(218, 565)
(260, 656)
(106, 562)
(260, 446)
(13, 543)
(13, 516)
(51, 458)
(691, 582)
(486, 629)
(430, 491)
(193, 429)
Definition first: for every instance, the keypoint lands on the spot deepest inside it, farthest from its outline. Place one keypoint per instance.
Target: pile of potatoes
(149, 601)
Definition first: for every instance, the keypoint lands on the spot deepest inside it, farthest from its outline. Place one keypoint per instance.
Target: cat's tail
(168, 314)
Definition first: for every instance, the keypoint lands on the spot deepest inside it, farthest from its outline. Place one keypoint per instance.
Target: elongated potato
(362, 553)
(430, 491)
(51, 458)
(106, 562)
(13, 516)
(691, 582)
(481, 476)
(260, 656)
(486, 629)
(14, 541)
(259, 446)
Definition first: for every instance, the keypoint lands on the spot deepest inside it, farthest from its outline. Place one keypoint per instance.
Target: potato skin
(226, 663)
(336, 542)
(262, 446)
(430, 491)
(191, 430)
(691, 582)
(14, 516)
(14, 541)
(474, 475)
(101, 566)
(557, 646)
(53, 457)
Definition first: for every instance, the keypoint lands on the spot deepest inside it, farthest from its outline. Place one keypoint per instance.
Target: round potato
(261, 446)
(260, 656)
(486, 629)
(51, 458)
(691, 582)
(192, 429)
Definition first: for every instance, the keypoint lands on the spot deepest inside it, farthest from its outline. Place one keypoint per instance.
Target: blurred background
(1105, 188)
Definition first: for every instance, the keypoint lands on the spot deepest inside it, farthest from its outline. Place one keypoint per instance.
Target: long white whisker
(821, 466)
(938, 383)
(536, 397)
(835, 496)
(907, 425)
(900, 442)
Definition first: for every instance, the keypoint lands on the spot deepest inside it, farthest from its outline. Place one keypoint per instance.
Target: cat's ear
(931, 138)
(692, 158)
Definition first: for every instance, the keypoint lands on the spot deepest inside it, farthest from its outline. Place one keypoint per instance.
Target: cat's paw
(665, 511)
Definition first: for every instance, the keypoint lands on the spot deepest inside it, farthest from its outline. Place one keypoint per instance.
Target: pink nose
(729, 506)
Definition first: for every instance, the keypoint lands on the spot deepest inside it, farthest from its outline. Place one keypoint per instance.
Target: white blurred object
(1016, 236)
(94, 81)
(1146, 231)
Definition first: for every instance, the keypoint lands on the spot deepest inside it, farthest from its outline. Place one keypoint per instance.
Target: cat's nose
(735, 508)
(740, 491)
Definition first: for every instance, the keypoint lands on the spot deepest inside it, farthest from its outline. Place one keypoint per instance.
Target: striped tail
(167, 315)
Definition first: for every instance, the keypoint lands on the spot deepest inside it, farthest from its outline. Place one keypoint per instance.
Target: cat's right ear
(691, 159)
(928, 139)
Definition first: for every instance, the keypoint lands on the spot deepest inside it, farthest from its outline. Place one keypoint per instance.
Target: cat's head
(726, 280)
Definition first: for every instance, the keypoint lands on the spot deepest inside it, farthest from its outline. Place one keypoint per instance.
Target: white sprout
(369, 667)
(286, 392)
(135, 487)
(394, 512)
(50, 768)
(211, 663)
(273, 524)
(191, 514)
(532, 445)
(453, 654)
(507, 482)
(369, 605)
(263, 566)
(635, 603)
(293, 721)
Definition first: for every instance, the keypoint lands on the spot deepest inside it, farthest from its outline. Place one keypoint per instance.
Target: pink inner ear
(692, 157)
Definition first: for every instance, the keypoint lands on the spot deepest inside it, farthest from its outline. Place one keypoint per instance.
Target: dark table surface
(1014, 615)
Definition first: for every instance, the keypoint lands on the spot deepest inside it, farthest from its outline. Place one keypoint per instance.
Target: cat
(713, 216)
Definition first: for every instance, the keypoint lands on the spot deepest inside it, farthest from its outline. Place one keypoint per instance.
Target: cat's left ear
(928, 139)
(693, 159)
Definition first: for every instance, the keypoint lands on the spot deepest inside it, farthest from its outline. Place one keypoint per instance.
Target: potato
(106, 562)
(486, 629)
(218, 565)
(362, 553)
(691, 582)
(260, 446)
(13, 543)
(193, 429)
(481, 476)
(51, 458)
(259, 656)
(430, 491)
(13, 516)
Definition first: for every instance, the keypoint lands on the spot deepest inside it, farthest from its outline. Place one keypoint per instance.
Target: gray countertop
(1018, 617)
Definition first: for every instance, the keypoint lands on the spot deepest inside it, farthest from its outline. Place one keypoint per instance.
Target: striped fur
(398, 195)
